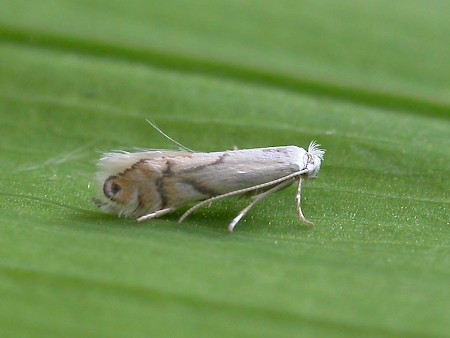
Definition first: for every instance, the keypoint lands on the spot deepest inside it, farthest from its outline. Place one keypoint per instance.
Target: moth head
(119, 196)
(117, 190)
(313, 159)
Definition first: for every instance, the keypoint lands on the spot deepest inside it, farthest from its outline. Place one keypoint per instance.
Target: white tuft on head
(315, 158)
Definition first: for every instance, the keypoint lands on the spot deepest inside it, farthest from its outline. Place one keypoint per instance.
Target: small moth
(149, 184)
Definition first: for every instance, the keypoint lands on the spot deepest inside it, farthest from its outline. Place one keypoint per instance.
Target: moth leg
(256, 199)
(155, 214)
(299, 208)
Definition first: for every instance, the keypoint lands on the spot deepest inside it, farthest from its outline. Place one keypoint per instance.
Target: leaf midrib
(165, 60)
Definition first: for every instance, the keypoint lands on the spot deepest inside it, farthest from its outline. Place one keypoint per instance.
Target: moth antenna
(240, 191)
(256, 199)
(168, 137)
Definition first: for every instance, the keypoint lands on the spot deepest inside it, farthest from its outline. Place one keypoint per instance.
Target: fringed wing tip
(314, 150)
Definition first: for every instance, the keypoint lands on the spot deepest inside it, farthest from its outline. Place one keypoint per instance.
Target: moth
(149, 184)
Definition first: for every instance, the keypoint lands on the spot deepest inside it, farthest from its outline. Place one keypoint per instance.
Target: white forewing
(156, 182)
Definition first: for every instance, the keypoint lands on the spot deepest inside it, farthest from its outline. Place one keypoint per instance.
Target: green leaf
(367, 80)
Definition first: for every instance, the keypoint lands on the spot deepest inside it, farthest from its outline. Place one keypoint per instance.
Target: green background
(369, 80)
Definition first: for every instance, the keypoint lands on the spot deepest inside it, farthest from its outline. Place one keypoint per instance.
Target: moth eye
(115, 188)
(111, 188)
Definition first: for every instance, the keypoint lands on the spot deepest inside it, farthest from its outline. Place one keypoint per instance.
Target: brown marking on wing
(160, 183)
(201, 188)
(200, 167)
